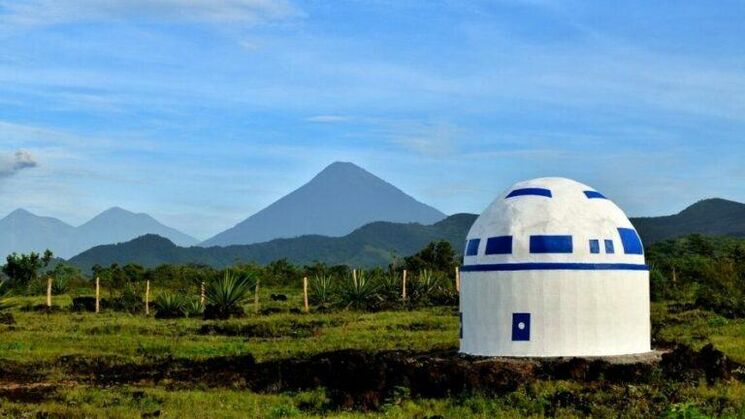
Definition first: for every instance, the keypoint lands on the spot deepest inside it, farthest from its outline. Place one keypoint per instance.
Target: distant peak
(342, 169)
(20, 212)
(718, 205)
(342, 165)
(117, 210)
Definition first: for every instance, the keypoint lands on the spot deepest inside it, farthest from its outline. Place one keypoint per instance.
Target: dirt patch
(274, 329)
(7, 319)
(31, 392)
(366, 380)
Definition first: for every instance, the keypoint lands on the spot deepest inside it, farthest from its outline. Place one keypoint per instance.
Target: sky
(202, 112)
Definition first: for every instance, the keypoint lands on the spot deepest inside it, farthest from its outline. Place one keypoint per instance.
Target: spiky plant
(321, 290)
(423, 287)
(169, 305)
(193, 308)
(225, 295)
(390, 286)
(359, 294)
(60, 285)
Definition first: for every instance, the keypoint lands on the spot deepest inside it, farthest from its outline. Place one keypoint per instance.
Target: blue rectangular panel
(520, 326)
(594, 195)
(530, 191)
(609, 246)
(550, 244)
(501, 245)
(632, 245)
(472, 248)
(594, 246)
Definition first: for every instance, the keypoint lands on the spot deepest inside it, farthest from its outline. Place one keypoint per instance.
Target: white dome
(525, 210)
(553, 268)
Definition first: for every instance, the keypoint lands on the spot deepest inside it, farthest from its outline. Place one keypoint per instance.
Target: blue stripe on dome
(554, 266)
(529, 191)
(594, 194)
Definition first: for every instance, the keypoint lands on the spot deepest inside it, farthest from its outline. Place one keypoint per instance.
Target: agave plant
(321, 290)
(193, 308)
(169, 305)
(359, 294)
(225, 295)
(423, 287)
(390, 286)
(60, 285)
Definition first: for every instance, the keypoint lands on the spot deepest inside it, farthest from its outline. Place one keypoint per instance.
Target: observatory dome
(554, 268)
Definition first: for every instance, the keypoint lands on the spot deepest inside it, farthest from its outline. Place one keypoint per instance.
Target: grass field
(38, 341)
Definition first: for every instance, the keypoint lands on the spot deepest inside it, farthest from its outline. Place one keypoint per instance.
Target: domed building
(554, 268)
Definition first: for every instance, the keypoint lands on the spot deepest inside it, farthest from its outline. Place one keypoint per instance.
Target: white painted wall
(573, 313)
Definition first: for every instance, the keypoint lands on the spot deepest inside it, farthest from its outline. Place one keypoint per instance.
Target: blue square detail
(501, 245)
(520, 326)
(609, 246)
(594, 246)
(472, 247)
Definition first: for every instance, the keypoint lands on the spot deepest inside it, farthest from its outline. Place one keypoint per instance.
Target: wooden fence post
(201, 295)
(457, 279)
(256, 297)
(305, 293)
(49, 292)
(403, 287)
(98, 295)
(147, 297)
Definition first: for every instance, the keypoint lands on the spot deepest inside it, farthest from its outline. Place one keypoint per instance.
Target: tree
(24, 268)
(437, 256)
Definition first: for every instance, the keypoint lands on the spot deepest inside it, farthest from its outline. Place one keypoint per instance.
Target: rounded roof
(540, 214)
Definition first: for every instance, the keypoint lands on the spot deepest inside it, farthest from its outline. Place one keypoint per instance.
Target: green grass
(43, 338)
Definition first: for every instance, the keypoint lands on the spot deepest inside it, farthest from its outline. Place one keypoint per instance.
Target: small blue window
(501, 245)
(594, 194)
(472, 249)
(609, 246)
(520, 326)
(530, 191)
(594, 246)
(550, 244)
(632, 245)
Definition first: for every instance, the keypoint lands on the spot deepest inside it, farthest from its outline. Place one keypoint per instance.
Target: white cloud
(48, 12)
(10, 165)
(433, 140)
(328, 118)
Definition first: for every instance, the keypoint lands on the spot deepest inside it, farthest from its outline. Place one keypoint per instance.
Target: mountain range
(375, 244)
(339, 199)
(22, 232)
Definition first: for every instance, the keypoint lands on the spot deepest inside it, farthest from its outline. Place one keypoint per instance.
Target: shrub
(169, 305)
(60, 285)
(129, 299)
(193, 308)
(321, 290)
(4, 293)
(361, 294)
(422, 288)
(390, 286)
(38, 286)
(225, 295)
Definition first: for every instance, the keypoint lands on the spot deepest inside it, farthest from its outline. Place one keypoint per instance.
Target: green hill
(376, 244)
(710, 217)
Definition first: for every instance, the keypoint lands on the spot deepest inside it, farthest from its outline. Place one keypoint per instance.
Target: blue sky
(203, 112)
